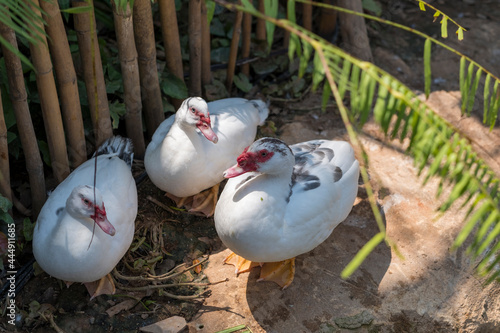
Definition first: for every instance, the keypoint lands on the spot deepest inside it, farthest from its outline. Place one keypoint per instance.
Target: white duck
(283, 201)
(190, 150)
(66, 243)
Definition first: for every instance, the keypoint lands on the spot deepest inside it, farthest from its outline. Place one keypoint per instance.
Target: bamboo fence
(60, 104)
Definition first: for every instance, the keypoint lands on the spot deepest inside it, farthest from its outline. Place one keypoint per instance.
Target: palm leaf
(22, 17)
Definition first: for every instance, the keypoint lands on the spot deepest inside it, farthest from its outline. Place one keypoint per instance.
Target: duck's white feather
(181, 161)
(272, 217)
(61, 242)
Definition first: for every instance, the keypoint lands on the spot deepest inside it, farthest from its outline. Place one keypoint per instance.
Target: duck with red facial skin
(282, 201)
(190, 150)
(82, 232)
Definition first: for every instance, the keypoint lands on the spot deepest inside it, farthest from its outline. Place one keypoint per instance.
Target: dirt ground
(427, 289)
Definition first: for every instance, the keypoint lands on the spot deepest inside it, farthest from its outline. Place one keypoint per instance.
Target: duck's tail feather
(263, 108)
(120, 146)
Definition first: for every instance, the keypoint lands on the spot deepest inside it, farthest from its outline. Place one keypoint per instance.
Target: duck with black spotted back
(66, 242)
(282, 201)
(190, 150)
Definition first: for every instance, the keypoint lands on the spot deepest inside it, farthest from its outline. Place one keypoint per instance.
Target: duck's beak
(234, 171)
(102, 221)
(208, 132)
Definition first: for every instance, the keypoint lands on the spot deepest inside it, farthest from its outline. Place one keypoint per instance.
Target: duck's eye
(86, 201)
(263, 153)
(193, 110)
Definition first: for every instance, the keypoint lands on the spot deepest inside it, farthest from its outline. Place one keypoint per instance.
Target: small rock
(170, 325)
(123, 306)
(356, 321)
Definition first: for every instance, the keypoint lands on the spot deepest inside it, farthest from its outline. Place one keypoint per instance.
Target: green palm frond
(469, 79)
(436, 146)
(22, 17)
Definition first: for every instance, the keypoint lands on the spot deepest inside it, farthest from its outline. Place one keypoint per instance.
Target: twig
(171, 274)
(153, 200)
(160, 286)
(150, 277)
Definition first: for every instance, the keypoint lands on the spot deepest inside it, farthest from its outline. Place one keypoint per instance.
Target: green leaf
(28, 228)
(16, 51)
(355, 79)
(486, 95)
(362, 255)
(427, 66)
(291, 11)
(494, 105)
(233, 329)
(444, 27)
(78, 10)
(270, 9)
(249, 6)
(381, 103)
(468, 81)
(491, 235)
(294, 47)
(486, 261)
(174, 87)
(421, 5)
(304, 59)
(318, 71)
(484, 229)
(44, 149)
(344, 78)
(116, 111)
(367, 91)
(210, 4)
(5, 204)
(327, 91)
(474, 90)
(462, 80)
(460, 33)
(467, 229)
(372, 6)
(241, 81)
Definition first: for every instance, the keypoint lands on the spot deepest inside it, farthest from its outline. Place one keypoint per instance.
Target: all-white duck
(190, 150)
(66, 242)
(283, 201)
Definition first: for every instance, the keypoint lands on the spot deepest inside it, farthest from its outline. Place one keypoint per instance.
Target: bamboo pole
(194, 31)
(260, 28)
(172, 44)
(27, 134)
(49, 101)
(354, 32)
(67, 82)
(93, 76)
(206, 74)
(327, 21)
(127, 52)
(5, 190)
(307, 16)
(148, 72)
(246, 38)
(233, 52)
